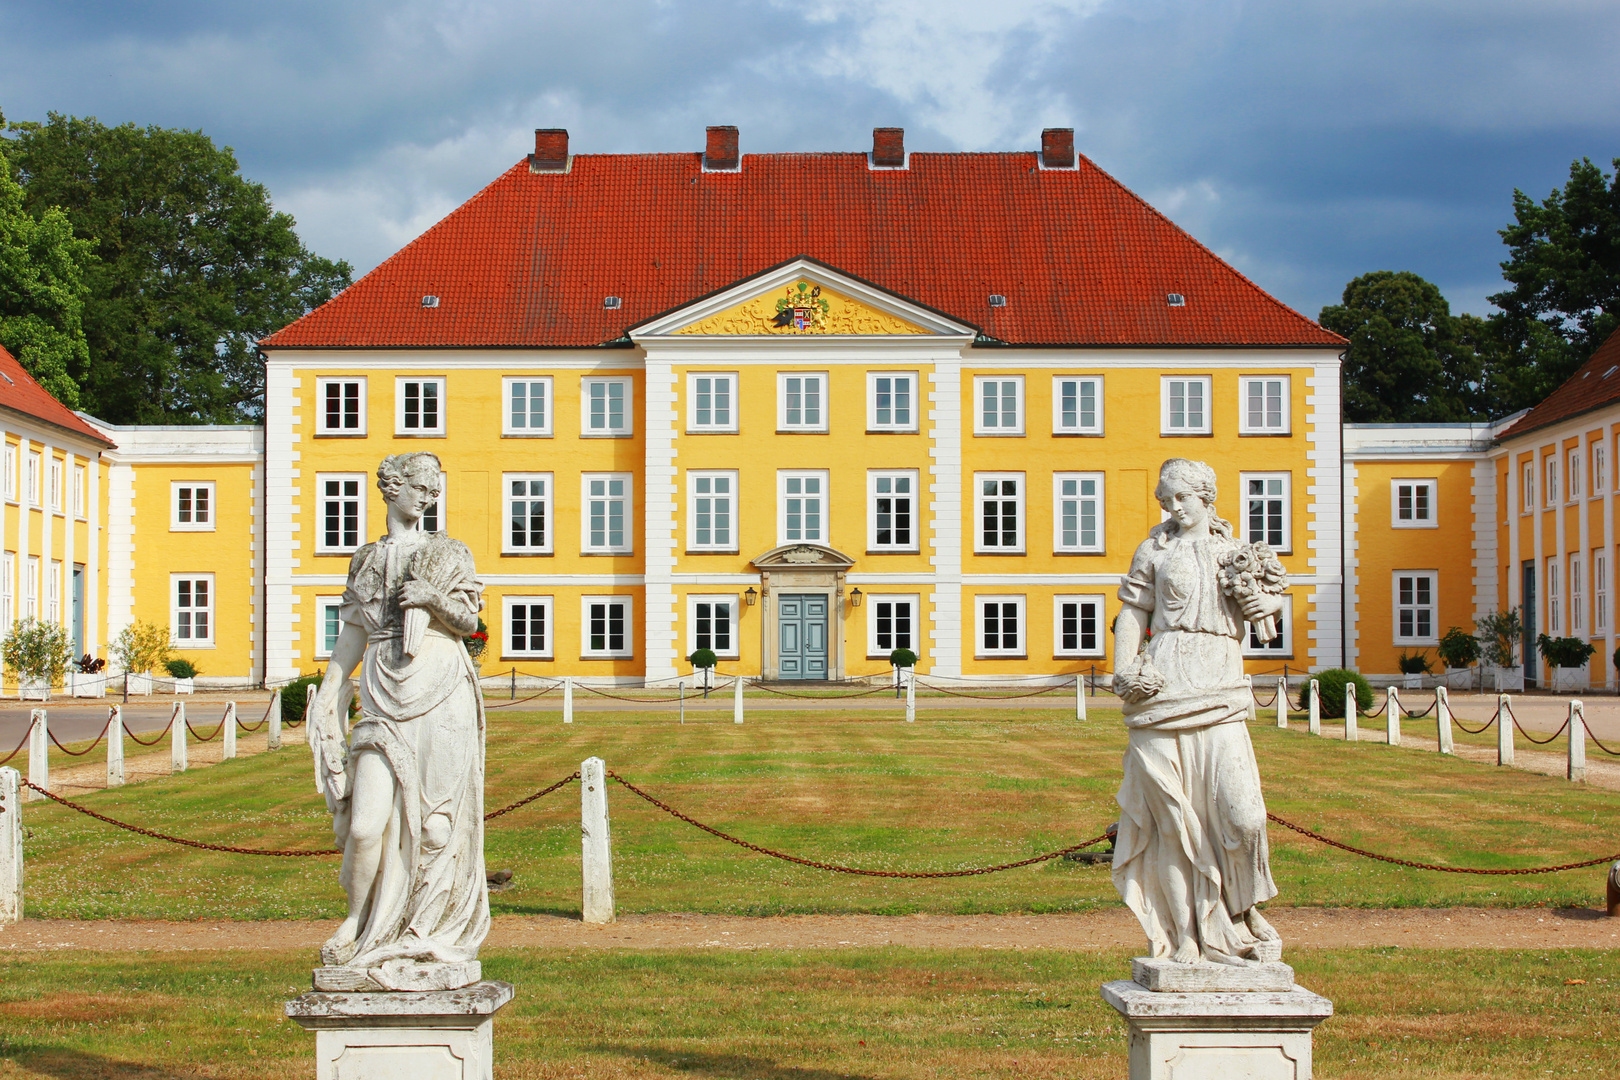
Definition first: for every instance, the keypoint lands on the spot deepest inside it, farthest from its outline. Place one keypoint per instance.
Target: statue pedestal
(425, 1035)
(1255, 1034)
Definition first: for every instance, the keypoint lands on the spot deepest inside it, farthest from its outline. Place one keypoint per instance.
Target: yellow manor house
(803, 410)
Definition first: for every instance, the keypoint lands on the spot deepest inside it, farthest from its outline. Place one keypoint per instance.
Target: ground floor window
(607, 626)
(1415, 593)
(192, 623)
(712, 624)
(527, 628)
(1078, 626)
(328, 625)
(892, 624)
(1279, 647)
(1001, 626)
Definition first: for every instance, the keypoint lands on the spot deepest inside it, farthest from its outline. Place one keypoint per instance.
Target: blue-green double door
(801, 636)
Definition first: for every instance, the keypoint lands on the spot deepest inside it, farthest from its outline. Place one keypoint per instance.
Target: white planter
(1459, 678)
(184, 686)
(1567, 680)
(1506, 680)
(86, 686)
(1411, 682)
(139, 684)
(34, 690)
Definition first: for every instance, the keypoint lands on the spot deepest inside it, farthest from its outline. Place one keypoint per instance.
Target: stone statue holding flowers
(1191, 858)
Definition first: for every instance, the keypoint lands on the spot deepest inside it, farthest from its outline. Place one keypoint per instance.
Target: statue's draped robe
(425, 716)
(1190, 801)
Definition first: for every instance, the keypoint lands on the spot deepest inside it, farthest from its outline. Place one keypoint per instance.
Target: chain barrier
(758, 685)
(998, 697)
(1303, 831)
(542, 793)
(20, 745)
(159, 737)
(218, 731)
(1532, 738)
(1600, 746)
(837, 869)
(1482, 729)
(1376, 713)
(620, 697)
(1258, 702)
(265, 719)
(80, 753)
(519, 701)
(1410, 715)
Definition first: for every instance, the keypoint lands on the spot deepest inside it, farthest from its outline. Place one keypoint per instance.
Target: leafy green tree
(1410, 360)
(42, 291)
(37, 650)
(194, 266)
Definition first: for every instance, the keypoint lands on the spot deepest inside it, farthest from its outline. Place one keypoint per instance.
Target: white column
(597, 854)
(11, 852)
(177, 737)
(1392, 718)
(1577, 740)
(736, 701)
(227, 729)
(115, 746)
(39, 751)
(1282, 702)
(273, 740)
(1442, 716)
(1350, 703)
(568, 699)
(1504, 731)
(1314, 718)
(911, 697)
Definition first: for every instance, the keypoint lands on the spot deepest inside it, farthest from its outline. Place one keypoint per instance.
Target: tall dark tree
(194, 266)
(1410, 360)
(42, 291)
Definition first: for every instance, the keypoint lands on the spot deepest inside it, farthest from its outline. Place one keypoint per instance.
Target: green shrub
(1500, 634)
(141, 648)
(903, 658)
(295, 695)
(1330, 685)
(38, 650)
(1458, 648)
(1566, 652)
(703, 658)
(1414, 664)
(182, 669)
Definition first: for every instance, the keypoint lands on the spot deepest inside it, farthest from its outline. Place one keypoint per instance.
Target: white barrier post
(1253, 708)
(1392, 718)
(177, 737)
(568, 699)
(911, 697)
(273, 717)
(1577, 740)
(680, 688)
(1080, 696)
(11, 853)
(736, 701)
(1282, 703)
(228, 729)
(1442, 713)
(115, 746)
(1351, 734)
(1314, 719)
(597, 853)
(1504, 731)
(39, 753)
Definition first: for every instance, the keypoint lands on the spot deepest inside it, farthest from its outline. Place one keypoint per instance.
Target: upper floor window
(1264, 404)
(892, 512)
(191, 505)
(9, 481)
(891, 401)
(712, 515)
(341, 511)
(1265, 509)
(1000, 510)
(1527, 484)
(1572, 476)
(418, 405)
(711, 401)
(1412, 504)
(33, 479)
(1078, 512)
(528, 513)
(53, 487)
(607, 520)
(1000, 405)
(802, 506)
(1550, 488)
(606, 406)
(1415, 592)
(801, 401)
(527, 406)
(1077, 405)
(80, 478)
(340, 406)
(1077, 626)
(1600, 471)
(1184, 405)
(192, 622)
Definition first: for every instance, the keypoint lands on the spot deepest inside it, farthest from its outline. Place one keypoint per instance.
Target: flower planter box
(184, 686)
(86, 686)
(1505, 680)
(139, 684)
(1412, 682)
(1459, 678)
(1568, 680)
(34, 690)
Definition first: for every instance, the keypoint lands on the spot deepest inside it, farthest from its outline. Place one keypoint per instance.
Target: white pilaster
(659, 507)
(1328, 506)
(282, 499)
(948, 628)
(120, 549)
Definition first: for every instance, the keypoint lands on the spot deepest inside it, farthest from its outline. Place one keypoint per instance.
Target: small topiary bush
(903, 658)
(181, 669)
(1331, 684)
(295, 695)
(703, 658)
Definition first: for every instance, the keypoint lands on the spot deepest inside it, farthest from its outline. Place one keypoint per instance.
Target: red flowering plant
(477, 641)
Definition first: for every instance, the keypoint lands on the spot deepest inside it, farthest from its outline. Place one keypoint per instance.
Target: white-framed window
(998, 501)
(605, 627)
(419, 405)
(1600, 470)
(711, 623)
(711, 510)
(892, 623)
(340, 406)
(1078, 628)
(31, 588)
(433, 518)
(53, 592)
(33, 479)
(1600, 591)
(191, 624)
(1572, 476)
(1077, 405)
(1184, 405)
(1264, 405)
(53, 486)
(1077, 518)
(607, 408)
(607, 524)
(1266, 510)
(528, 514)
(527, 626)
(1000, 626)
(891, 401)
(801, 506)
(80, 479)
(1577, 593)
(328, 625)
(10, 479)
(892, 509)
(1416, 596)
(1527, 482)
(8, 592)
(711, 401)
(1549, 491)
(1413, 504)
(526, 405)
(341, 501)
(1279, 647)
(801, 401)
(191, 506)
(1555, 625)
(998, 405)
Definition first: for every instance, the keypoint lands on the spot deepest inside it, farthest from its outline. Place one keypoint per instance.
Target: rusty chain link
(159, 737)
(542, 793)
(1303, 831)
(1532, 738)
(1483, 728)
(80, 753)
(997, 697)
(520, 701)
(823, 697)
(26, 736)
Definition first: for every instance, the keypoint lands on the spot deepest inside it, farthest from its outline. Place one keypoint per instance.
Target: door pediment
(802, 556)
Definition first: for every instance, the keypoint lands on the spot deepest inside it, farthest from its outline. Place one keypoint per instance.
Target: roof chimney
(722, 149)
(889, 148)
(550, 150)
(1057, 148)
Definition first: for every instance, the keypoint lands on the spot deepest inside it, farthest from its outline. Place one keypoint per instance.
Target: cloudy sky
(1307, 141)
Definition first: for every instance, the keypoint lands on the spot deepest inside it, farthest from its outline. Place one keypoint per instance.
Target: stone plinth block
(430, 1035)
(1242, 1035)
(1167, 976)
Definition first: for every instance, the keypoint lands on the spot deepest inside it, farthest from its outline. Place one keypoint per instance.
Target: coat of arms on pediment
(802, 309)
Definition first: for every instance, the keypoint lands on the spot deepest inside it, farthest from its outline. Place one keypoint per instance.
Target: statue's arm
(455, 607)
(347, 653)
(1129, 629)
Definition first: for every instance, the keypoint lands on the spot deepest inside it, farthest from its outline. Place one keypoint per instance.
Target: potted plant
(1458, 651)
(1568, 657)
(141, 648)
(703, 660)
(184, 673)
(1413, 667)
(1499, 636)
(38, 653)
(476, 642)
(85, 678)
(901, 658)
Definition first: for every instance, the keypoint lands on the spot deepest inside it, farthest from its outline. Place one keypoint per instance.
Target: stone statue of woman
(1191, 858)
(406, 790)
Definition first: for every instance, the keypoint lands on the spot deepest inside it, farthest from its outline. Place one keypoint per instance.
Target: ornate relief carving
(802, 308)
(802, 555)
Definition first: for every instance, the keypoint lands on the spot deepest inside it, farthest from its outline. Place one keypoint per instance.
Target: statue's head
(1180, 476)
(397, 471)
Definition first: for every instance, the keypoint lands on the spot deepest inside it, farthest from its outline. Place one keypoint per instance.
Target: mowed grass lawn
(951, 791)
(881, 1013)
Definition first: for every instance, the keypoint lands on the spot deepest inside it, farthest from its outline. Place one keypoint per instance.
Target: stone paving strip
(1104, 930)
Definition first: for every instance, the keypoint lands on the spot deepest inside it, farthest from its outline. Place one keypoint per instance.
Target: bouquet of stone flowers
(1251, 570)
(436, 564)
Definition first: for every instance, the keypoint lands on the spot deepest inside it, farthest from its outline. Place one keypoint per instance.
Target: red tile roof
(528, 260)
(20, 393)
(1595, 385)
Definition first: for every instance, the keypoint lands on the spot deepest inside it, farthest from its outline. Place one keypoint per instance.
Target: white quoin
(1314, 718)
(177, 737)
(11, 852)
(1351, 734)
(39, 753)
(736, 700)
(115, 746)
(911, 697)
(273, 739)
(597, 854)
(1282, 703)
(568, 699)
(1577, 740)
(1392, 718)
(1442, 713)
(227, 729)
(1504, 731)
